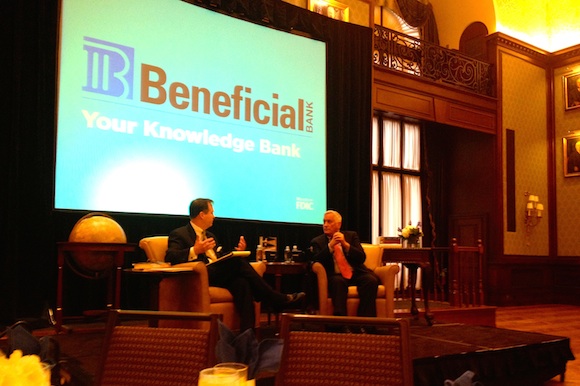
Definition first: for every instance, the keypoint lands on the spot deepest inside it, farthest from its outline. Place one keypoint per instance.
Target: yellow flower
(411, 230)
(19, 370)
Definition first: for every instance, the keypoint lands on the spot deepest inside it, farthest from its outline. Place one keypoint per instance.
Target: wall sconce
(534, 211)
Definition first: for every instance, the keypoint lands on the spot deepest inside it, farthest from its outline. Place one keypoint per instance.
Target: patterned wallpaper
(524, 108)
(567, 188)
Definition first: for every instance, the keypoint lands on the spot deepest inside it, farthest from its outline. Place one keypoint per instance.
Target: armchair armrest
(259, 266)
(200, 287)
(186, 291)
(387, 275)
(320, 273)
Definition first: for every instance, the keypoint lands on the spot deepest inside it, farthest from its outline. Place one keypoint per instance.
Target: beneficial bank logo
(110, 68)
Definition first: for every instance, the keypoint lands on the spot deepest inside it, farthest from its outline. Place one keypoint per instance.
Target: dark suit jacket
(355, 256)
(180, 240)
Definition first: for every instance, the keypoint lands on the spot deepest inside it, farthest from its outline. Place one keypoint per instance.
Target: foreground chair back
(137, 354)
(313, 356)
(191, 291)
(385, 292)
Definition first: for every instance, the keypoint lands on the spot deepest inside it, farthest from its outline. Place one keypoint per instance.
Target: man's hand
(241, 244)
(203, 246)
(338, 238)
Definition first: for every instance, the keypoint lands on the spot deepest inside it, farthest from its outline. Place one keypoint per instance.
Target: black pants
(367, 283)
(246, 286)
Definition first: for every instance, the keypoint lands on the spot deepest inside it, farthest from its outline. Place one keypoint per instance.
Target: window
(396, 175)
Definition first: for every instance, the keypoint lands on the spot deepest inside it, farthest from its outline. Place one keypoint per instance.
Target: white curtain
(375, 208)
(392, 202)
(375, 146)
(411, 200)
(391, 143)
(412, 152)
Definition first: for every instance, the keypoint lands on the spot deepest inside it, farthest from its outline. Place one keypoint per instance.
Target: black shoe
(295, 298)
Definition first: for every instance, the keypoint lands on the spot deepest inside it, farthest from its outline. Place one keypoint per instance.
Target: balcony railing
(400, 52)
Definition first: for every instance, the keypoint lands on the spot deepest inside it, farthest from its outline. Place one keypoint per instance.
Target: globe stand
(117, 250)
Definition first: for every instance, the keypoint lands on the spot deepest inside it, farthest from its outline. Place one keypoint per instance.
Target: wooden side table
(280, 269)
(413, 258)
(118, 250)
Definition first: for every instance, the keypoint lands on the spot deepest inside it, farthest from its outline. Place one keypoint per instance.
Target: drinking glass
(219, 376)
(241, 368)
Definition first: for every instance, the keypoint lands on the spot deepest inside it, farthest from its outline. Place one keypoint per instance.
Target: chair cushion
(220, 295)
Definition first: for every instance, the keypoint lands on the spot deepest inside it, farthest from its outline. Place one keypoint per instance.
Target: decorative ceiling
(546, 24)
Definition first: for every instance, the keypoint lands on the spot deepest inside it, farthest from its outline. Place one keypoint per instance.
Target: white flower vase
(413, 242)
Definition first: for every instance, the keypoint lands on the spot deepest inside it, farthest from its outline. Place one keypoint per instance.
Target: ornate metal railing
(397, 51)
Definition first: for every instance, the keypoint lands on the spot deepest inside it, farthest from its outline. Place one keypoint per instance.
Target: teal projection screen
(161, 101)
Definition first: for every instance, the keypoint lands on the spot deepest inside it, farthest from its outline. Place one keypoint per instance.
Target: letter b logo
(109, 68)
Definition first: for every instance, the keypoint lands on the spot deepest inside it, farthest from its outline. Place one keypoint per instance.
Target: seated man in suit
(343, 257)
(192, 243)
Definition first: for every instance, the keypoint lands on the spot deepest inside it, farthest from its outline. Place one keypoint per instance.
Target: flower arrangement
(21, 370)
(411, 231)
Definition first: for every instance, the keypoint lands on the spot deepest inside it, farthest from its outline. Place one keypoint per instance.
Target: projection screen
(161, 101)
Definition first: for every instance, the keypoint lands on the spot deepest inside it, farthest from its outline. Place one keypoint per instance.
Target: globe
(96, 228)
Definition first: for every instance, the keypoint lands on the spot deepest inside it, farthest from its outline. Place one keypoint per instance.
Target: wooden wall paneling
(386, 98)
(521, 281)
(532, 285)
(412, 96)
(566, 283)
(533, 280)
(464, 116)
(468, 229)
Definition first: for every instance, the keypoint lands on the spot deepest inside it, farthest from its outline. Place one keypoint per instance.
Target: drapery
(421, 15)
(416, 14)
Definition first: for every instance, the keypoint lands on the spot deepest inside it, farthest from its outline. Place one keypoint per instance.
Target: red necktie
(343, 265)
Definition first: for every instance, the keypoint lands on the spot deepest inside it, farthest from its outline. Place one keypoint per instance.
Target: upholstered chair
(385, 292)
(190, 291)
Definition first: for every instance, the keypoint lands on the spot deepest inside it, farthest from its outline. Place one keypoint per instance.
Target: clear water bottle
(295, 253)
(287, 254)
(259, 253)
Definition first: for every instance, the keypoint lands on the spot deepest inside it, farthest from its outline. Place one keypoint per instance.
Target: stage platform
(498, 357)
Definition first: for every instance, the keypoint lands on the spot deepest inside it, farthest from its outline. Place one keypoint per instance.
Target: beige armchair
(192, 292)
(385, 293)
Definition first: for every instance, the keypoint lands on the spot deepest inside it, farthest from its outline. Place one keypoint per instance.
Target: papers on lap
(230, 255)
(162, 267)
